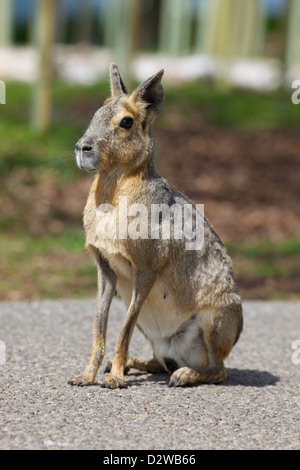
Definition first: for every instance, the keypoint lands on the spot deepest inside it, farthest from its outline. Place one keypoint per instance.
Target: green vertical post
(6, 22)
(121, 32)
(175, 27)
(232, 29)
(42, 89)
(292, 42)
(249, 27)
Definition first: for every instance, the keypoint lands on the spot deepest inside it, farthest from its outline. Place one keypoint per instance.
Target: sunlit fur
(186, 303)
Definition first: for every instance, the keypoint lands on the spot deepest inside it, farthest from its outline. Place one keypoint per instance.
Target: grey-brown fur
(186, 302)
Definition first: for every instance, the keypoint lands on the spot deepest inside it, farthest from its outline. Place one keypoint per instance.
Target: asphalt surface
(48, 342)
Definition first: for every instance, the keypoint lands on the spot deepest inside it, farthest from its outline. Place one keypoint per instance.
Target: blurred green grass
(47, 266)
(56, 265)
(268, 260)
(74, 106)
(238, 108)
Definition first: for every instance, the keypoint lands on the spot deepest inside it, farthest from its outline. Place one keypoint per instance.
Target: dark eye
(126, 122)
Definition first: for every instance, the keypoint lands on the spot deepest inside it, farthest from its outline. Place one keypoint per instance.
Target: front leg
(142, 284)
(106, 289)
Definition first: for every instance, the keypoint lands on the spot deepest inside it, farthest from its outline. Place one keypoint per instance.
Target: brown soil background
(249, 183)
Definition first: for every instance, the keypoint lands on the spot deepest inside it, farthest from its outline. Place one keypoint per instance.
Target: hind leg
(221, 330)
(152, 366)
(187, 376)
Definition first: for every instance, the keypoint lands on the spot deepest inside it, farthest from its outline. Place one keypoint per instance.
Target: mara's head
(119, 134)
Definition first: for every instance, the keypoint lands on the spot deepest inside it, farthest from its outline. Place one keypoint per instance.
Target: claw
(184, 376)
(176, 382)
(81, 381)
(113, 382)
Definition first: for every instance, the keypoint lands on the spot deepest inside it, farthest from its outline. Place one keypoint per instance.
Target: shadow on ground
(241, 377)
(250, 378)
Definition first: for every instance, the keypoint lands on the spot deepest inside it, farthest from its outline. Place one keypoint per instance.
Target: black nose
(87, 147)
(84, 147)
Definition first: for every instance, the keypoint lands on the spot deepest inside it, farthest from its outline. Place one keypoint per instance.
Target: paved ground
(48, 342)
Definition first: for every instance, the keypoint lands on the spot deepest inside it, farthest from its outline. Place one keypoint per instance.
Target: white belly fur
(160, 320)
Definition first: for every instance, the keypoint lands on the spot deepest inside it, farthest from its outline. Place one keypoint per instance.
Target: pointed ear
(151, 93)
(118, 87)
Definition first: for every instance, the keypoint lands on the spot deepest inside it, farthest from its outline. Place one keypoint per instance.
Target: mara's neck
(118, 181)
